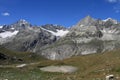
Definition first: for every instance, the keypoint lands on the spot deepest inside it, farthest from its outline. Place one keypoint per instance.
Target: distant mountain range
(56, 42)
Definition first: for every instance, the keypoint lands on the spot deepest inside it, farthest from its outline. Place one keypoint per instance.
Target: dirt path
(18, 65)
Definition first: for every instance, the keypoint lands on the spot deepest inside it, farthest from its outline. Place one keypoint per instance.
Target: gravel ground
(62, 69)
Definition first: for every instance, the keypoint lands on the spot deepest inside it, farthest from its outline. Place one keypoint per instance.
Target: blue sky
(63, 12)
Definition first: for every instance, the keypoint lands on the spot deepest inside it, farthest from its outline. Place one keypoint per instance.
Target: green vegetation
(91, 67)
(24, 57)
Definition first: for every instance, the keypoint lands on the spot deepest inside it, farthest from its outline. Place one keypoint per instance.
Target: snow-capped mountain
(13, 29)
(8, 32)
(22, 36)
(88, 36)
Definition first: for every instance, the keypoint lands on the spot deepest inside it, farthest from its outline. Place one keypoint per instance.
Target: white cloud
(117, 11)
(117, 8)
(113, 1)
(5, 14)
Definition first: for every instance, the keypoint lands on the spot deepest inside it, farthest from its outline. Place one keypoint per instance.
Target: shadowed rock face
(56, 42)
(3, 57)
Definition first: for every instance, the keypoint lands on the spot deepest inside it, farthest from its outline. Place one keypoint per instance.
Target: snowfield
(59, 33)
(7, 34)
(114, 21)
(1, 26)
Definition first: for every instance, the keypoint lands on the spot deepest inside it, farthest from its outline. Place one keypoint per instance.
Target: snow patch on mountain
(7, 34)
(114, 21)
(1, 26)
(106, 19)
(58, 33)
(12, 28)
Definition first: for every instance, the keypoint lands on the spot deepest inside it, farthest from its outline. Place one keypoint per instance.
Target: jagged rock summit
(87, 21)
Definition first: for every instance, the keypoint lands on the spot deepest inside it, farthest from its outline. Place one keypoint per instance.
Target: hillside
(90, 67)
(13, 57)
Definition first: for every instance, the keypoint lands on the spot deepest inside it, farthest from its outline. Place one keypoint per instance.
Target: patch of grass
(90, 67)
(25, 57)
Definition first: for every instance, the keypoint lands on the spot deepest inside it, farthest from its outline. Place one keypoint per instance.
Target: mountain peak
(22, 21)
(88, 17)
(21, 25)
(87, 21)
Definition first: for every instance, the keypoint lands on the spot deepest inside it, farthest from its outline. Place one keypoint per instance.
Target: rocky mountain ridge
(56, 42)
(22, 36)
(86, 37)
